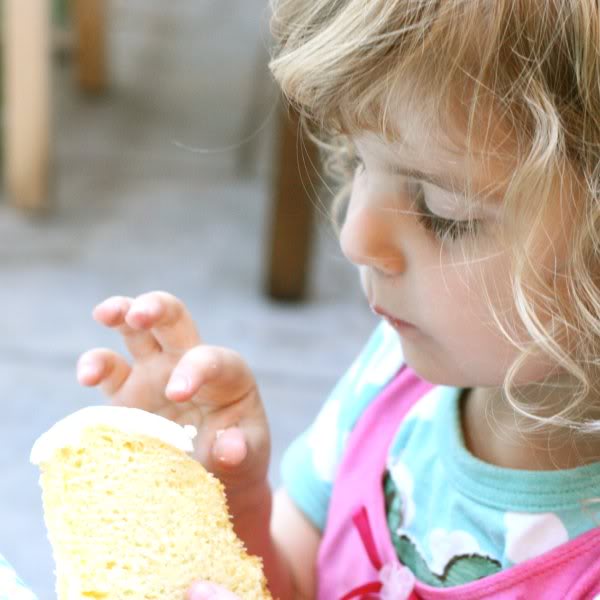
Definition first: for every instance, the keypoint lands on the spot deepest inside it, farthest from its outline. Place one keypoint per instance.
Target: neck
(497, 434)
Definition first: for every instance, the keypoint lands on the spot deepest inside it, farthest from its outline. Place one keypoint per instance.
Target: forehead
(480, 159)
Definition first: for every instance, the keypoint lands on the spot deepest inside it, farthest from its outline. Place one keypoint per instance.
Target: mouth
(397, 324)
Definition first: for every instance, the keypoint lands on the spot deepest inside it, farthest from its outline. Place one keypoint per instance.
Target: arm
(298, 542)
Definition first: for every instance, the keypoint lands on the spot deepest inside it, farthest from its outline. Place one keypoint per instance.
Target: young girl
(460, 455)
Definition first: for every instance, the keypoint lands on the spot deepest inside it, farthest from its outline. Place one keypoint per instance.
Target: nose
(370, 236)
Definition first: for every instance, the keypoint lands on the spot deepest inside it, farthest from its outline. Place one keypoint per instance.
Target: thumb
(204, 590)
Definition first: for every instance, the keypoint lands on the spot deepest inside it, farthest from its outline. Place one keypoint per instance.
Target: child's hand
(203, 590)
(174, 375)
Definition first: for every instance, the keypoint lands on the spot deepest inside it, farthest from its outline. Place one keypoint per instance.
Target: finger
(112, 313)
(220, 375)
(103, 367)
(167, 317)
(204, 590)
(230, 448)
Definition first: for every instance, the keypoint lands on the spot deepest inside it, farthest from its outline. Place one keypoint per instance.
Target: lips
(393, 321)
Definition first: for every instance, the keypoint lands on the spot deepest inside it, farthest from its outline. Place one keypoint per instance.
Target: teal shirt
(452, 517)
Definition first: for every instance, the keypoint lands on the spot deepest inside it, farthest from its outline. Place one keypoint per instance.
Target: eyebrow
(455, 186)
(452, 184)
(448, 184)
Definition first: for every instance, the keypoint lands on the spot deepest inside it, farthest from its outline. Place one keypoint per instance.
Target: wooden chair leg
(89, 19)
(292, 211)
(26, 136)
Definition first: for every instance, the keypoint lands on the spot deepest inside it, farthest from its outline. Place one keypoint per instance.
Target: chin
(433, 371)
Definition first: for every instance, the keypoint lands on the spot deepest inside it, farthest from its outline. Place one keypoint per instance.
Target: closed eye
(441, 227)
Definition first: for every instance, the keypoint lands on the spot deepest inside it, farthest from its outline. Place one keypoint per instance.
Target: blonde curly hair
(534, 65)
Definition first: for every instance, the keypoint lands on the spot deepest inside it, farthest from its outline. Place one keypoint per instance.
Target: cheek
(467, 284)
(470, 296)
(471, 309)
(482, 298)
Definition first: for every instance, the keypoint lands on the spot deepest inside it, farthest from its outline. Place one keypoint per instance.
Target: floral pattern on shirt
(462, 563)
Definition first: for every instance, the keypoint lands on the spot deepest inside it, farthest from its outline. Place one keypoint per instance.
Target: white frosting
(67, 431)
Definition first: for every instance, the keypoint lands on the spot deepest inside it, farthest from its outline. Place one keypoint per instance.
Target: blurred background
(103, 195)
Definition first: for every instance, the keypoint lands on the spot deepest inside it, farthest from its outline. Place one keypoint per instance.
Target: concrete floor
(132, 211)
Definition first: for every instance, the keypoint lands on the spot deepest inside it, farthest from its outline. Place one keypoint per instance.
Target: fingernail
(113, 304)
(178, 385)
(86, 371)
(106, 304)
(147, 308)
(230, 449)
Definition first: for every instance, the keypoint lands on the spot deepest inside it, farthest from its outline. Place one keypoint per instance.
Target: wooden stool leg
(89, 18)
(293, 210)
(26, 102)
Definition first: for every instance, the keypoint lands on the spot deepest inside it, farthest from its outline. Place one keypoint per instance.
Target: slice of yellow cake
(130, 516)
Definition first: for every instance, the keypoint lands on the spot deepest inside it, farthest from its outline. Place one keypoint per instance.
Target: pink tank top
(357, 559)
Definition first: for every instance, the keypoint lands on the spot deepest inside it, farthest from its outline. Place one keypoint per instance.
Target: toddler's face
(405, 198)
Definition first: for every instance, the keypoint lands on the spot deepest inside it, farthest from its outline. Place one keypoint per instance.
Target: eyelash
(441, 227)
